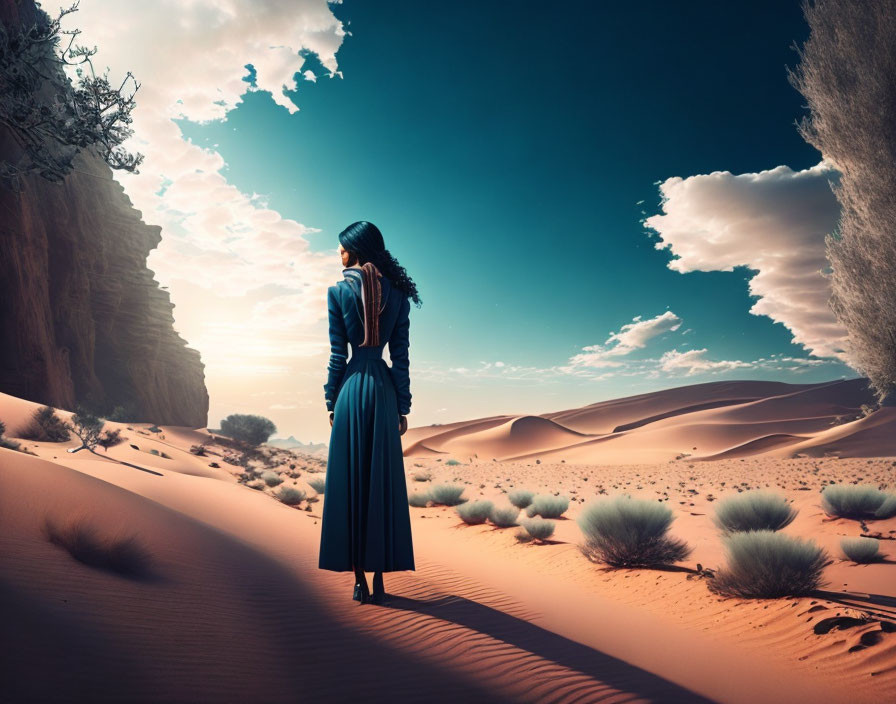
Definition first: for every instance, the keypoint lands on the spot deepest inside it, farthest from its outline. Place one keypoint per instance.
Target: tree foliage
(50, 118)
(248, 430)
(846, 74)
(87, 427)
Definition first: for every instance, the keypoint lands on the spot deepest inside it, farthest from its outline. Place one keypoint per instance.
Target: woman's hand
(402, 424)
(331, 418)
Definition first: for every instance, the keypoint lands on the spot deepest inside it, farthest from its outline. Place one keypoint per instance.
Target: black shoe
(379, 593)
(362, 591)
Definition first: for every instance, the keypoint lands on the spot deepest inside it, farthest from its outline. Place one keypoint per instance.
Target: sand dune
(605, 416)
(228, 604)
(704, 420)
(512, 437)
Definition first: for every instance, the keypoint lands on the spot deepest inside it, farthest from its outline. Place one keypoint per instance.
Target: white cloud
(630, 337)
(190, 58)
(695, 361)
(773, 222)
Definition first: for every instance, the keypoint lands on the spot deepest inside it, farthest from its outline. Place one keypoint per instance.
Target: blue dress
(366, 520)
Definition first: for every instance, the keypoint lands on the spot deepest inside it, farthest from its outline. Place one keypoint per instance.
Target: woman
(366, 525)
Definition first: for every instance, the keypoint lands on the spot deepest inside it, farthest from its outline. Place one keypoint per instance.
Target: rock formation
(82, 319)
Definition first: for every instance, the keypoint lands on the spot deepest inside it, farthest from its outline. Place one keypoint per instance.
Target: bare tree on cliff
(847, 73)
(49, 117)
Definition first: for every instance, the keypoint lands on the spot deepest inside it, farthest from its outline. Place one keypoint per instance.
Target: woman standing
(366, 524)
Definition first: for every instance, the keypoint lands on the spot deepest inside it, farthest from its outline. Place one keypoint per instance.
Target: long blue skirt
(366, 520)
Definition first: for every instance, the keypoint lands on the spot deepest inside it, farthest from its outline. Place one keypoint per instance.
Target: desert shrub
(861, 549)
(424, 476)
(887, 509)
(271, 478)
(249, 430)
(87, 427)
(627, 532)
(766, 565)
(505, 516)
(45, 426)
(418, 499)
(123, 555)
(154, 451)
(109, 438)
(9, 444)
(290, 495)
(447, 494)
(198, 450)
(452, 462)
(474, 512)
(548, 506)
(753, 510)
(538, 528)
(857, 501)
(520, 498)
(256, 484)
(319, 485)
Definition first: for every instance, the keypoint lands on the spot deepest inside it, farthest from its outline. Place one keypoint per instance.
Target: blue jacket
(346, 316)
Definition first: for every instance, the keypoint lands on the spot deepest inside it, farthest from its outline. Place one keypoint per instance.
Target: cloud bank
(190, 58)
(773, 222)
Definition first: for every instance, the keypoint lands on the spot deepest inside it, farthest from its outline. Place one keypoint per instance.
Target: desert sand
(228, 603)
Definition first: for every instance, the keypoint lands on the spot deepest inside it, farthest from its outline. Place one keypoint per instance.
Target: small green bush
(46, 426)
(548, 506)
(9, 444)
(538, 528)
(627, 532)
(522, 535)
(452, 462)
(111, 437)
(887, 509)
(290, 495)
(447, 494)
(753, 510)
(124, 555)
(475, 512)
(861, 550)
(154, 451)
(319, 485)
(271, 478)
(857, 501)
(520, 498)
(248, 430)
(764, 564)
(418, 499)
(505, 516)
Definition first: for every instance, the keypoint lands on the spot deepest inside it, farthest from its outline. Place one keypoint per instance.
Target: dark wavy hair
(364, 240)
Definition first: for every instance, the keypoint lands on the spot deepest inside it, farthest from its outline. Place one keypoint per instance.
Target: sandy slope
(233, 607)
(707, 421)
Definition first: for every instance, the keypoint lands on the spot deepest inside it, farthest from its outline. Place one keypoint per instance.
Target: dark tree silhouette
(87, 427)
(846, 73)
(49, 117)
(248, 430)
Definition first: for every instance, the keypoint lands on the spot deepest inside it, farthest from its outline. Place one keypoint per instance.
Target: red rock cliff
(82, 318)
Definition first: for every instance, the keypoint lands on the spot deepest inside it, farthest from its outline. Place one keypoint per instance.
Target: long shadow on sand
(549, 646)
(881, 603)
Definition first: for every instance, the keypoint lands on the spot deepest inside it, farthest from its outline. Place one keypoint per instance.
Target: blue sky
(510, 159)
